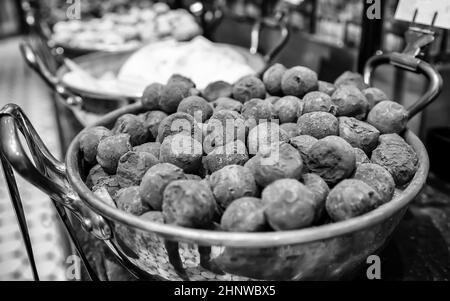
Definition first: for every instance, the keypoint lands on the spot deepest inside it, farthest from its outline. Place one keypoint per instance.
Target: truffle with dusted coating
(374, 96)
(352, 79)
(279, 161)
(149, 147)
(361, 156)
(378, 178)
(397, 157)
(248, 87)
(179, 123)
(350, 102)
(178, 78)
(132, 167)
(110, 149)
(217, 90)
(326, 87)
(182, 151)
(98, 178)
(288, 108)
(197, 107)
(244, 215)
(132, 125)
(188, 203)
(318, 102)
(318, 124)
(272, 78)
(103, 194)
(319, 188)
(264, 135)
(129, 200)
(332, 158)
(388, 117)
(288, 205)
(151, 96)
(351, 198)
(258, 110)
(224, 127)
(172, 94)
(89, 141)
(155, 181)
(298, 81)
(95, 176)
(232, 182)
(152, 119)
(232, 153)
(291, 129)
(226, 103)
(303, 143)
(358, 133)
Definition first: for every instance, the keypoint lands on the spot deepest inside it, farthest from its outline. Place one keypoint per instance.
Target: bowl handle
(280, 23)
(416, 38)
(49, 175)
(35, 62)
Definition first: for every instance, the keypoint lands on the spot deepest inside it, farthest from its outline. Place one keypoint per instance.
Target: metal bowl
(330, 251)
(155, 250)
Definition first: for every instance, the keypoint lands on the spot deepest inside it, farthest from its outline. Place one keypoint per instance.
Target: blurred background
(328, 36)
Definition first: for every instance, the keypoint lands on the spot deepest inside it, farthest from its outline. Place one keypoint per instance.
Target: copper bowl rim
(247, 240)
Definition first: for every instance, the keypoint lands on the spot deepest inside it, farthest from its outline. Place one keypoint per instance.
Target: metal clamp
(416, 38)
(48, 174)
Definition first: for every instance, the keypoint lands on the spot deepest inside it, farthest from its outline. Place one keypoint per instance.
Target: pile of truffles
(279, 153)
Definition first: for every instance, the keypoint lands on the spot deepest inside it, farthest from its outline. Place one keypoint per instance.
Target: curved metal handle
(410, 63)
(35, 62)
(281, 24)
(49, 175)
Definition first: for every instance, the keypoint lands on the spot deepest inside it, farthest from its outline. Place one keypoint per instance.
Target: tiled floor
(18, 84)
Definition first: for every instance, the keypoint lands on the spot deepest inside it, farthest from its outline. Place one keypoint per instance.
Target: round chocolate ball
(134, 126)
(129, 200)
(188, 203)
(155, 181)
(89, 141)
(351, 198)
(378, 178)
(332, 158)
(288, 205)
(358, 133)
(110, 149)
(388, 117)
(318, 124)
(247, 88)
(244, 215)
(182, 151)
(197, 107)
(298, 81)
(217, 90)
(232, 182)
(151, 96)
(132, 167)
(288, 108)
(272, 78)
(318, 102)
(350, 101)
